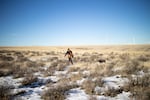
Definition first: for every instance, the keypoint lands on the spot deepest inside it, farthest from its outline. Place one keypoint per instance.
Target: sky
(74, 22)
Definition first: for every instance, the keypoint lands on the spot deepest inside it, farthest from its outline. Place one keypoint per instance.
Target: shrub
(3, 51)
(103, 70)
(30, 64)
(64, 81)
(54, 64)
(113, 92)
(88, 86)
(140, 81)
(140, 93)
(6, 58)
(51, 59)
(40, 63)
(60, 67)
(57, 93)
(52, 53)
(98, 70)
(143, 58)
(132, 67)
(93, 97)
(22, 59)
(99, 82)
(29, 80)
(52, 68)
(75, 77)
(62, 64)
(5, 72)
(86, 54)
(85, 59)
(5, 92)
(124, 56)
(139, 87)
(93, 58)
(76, 59)
(20, 70)
(73, 69)
(5, 68)
(112, 55)
(5, 64)
(18, 54)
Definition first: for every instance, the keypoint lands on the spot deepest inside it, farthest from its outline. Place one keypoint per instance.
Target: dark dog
(102, 61)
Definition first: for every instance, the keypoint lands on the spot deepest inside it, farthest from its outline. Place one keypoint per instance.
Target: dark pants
(70, 60)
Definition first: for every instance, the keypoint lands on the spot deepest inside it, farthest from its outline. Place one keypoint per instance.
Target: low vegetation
(58, 93)
(29, 80)
(6, 92)
(139, 86)
(91, 65)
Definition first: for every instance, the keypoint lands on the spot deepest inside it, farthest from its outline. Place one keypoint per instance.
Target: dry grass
(17, 64)
(99, 61)
(88, 86)
(73, 69)
(82, 49)
(143, 58)
(5, 92)
(29, 80)
(56, 65)
(92, 97)
(99, 82)
(112, 92)
(5, 68)
(6, 58)
(133, 66)
(64, 81)
(62, 64)
(75, 77)
(57, 93)
(51, 59)
(51, 69)
(139, 86)
(105, 69)
(24, 68)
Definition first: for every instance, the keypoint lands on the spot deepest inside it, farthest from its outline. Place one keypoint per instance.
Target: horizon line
(73, 45)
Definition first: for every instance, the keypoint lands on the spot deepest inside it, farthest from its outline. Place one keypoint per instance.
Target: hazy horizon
(93, 45)
(74, 22)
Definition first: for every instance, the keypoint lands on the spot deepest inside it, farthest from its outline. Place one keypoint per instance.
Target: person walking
(70, 55)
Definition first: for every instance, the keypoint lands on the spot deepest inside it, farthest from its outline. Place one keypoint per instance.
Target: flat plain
(106, 72)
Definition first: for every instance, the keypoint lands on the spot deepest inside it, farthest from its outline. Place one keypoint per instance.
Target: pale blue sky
(74, 22)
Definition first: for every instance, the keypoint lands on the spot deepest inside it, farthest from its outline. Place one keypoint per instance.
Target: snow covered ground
(35, 90)
(78, 94)
(84, 70)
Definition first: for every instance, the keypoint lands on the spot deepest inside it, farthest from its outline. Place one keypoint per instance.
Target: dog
(102, 61)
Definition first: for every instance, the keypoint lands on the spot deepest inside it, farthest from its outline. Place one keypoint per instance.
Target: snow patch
(114, 81)
(79, 82)
(9, 81)
(77, 94)
(123, 96)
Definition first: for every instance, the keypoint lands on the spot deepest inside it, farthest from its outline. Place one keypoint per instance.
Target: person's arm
(66, 53)
(72, 54)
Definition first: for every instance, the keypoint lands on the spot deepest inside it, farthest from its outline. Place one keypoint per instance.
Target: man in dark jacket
(70, 55)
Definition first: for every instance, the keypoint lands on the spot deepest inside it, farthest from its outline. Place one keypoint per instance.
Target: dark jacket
(69, 53)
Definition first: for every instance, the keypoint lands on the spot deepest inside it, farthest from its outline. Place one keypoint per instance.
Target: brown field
(124, 60)
(81, 49)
